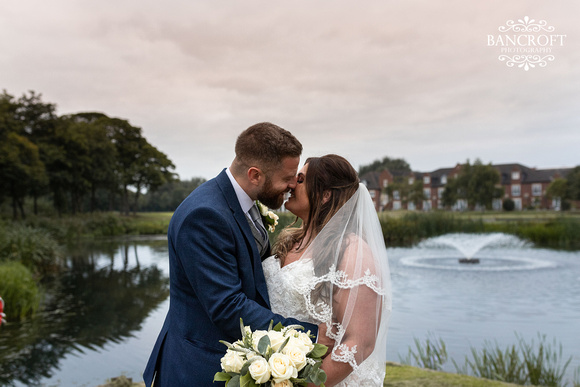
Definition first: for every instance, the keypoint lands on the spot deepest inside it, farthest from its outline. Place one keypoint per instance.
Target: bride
(333, 270)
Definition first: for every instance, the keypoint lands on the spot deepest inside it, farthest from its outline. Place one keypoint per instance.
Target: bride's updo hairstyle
(330, 181)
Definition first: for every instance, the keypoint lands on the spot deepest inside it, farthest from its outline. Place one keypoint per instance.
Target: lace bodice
(284, 289)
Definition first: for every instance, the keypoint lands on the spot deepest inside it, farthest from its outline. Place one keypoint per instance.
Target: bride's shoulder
(355, 249)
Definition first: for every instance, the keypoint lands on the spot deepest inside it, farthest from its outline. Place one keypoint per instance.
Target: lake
(104, 314)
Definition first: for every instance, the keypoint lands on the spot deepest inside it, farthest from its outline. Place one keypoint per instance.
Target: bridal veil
(351, 288)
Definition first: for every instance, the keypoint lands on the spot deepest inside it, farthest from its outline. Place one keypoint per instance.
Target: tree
(20, 165)
(477, 184)
(558, 191)
(574, 184)
(153, 170)
(482, 186)
(38, 121)
(99, 170)
(169, 195)
(385, 163)
(408, 193)
(138, 164)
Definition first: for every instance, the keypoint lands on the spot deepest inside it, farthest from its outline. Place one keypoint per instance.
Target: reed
(33, 247)
(538, 364)
(544, 365)
(432, 354)
(19, 290)
(495, 364)
(415, 226)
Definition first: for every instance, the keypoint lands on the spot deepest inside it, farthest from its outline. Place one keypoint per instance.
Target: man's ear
(254, 175)
(326, 196)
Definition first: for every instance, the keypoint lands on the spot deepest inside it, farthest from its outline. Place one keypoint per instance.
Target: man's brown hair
(265, 145)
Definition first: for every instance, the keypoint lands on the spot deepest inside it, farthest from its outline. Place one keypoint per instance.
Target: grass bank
(102, 224)
(399, 375)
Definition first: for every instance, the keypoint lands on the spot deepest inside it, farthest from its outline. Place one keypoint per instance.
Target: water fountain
(489, 252)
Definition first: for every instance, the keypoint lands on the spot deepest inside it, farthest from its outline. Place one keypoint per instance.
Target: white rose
(276, 339)
(296, 356)
(300, 341)
(306, 341)
(283, 383)
(232, 361)
(282, 368)
(251, 354)
(256, 336)
(260, 371)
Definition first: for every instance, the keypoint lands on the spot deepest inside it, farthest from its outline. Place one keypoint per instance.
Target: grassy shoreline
(401, 228)
(397, 375)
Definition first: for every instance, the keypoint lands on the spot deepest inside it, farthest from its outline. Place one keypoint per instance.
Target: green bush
(19, 290)
(33, 247)
(508, 205)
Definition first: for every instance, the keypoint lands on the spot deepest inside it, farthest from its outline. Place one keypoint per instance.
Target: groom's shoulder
(210, 194)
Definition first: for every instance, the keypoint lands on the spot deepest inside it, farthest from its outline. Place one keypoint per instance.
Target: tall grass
(539, 364)
(19, 290)
(68, 228)
(411, 228)
(33, 247)
(415, 226)
(493, 363)
(432, 354)
(544, 365)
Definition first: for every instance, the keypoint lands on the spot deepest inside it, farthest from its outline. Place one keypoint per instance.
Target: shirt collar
(246, 201)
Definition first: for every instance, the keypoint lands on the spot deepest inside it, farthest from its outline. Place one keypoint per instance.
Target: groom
(215, 245)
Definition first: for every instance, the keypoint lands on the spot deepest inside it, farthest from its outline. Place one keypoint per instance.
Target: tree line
(80, 162)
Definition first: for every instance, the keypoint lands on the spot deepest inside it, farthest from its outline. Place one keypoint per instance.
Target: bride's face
(298, 202)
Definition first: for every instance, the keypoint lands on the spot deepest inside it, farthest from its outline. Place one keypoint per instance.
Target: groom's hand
(323, 339)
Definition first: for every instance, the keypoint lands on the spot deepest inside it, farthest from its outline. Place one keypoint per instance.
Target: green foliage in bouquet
(285, 356)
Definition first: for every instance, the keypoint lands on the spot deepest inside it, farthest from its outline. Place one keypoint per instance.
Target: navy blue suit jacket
(216, 277)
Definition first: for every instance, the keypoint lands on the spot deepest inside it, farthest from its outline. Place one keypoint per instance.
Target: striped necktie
(257, 219)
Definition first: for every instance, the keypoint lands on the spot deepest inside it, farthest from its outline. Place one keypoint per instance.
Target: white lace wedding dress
(286, 299)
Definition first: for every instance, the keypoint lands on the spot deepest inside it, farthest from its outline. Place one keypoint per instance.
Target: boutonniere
(269, 218)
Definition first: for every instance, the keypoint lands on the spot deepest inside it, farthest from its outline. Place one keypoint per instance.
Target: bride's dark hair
(330, 181)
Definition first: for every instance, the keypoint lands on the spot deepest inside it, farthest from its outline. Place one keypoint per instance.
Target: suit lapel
(230, 195)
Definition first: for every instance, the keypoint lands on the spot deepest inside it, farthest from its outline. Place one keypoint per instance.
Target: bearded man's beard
(270, 197)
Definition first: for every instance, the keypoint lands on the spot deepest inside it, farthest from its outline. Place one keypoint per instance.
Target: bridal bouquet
(278, 357)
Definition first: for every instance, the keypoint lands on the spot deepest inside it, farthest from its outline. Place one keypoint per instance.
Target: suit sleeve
(208, 251)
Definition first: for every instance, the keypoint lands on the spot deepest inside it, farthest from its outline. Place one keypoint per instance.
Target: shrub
(19, 291)
(508, 205)
(33, 247)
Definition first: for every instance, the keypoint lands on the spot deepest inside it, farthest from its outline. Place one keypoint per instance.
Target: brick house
(525, 186)
(378, 182)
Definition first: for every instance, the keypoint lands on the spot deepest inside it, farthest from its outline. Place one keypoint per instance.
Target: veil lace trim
(365, 266)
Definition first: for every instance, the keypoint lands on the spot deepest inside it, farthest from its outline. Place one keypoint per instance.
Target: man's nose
(292, 183)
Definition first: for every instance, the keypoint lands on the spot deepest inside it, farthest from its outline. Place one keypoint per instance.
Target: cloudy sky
(415, 79)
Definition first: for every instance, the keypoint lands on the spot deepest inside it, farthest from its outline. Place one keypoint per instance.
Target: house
(524, 185)
(527, 186)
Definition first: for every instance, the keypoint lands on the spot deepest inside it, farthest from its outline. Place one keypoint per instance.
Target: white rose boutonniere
(269, 218)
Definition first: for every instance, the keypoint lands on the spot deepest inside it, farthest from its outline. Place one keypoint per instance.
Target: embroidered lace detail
(290, 288)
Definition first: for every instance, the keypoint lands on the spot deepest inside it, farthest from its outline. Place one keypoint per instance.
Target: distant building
(524, 185)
